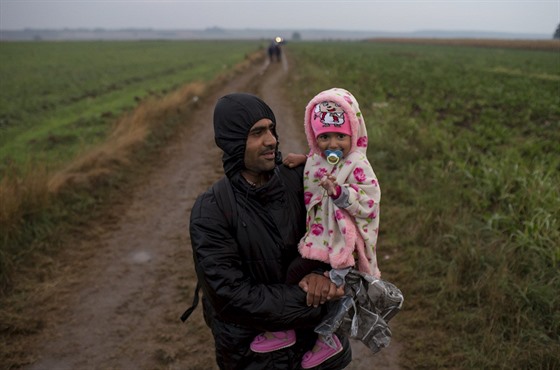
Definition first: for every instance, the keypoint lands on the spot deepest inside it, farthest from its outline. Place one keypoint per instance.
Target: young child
(342, 199)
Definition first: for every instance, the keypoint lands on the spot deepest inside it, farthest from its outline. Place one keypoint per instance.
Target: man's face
(260, 150)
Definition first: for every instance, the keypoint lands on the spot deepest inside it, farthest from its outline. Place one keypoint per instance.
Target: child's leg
(324, 349)
(273, 341)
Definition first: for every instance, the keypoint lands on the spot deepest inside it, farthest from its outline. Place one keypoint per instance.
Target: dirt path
(116, 301)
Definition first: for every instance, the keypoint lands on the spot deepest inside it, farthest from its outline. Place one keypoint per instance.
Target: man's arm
(293, 160)
(234, 295)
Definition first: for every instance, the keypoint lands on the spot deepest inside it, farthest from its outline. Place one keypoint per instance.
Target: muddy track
(116, 301)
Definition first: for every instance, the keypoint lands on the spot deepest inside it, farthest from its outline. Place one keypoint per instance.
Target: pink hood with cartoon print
(350, 106)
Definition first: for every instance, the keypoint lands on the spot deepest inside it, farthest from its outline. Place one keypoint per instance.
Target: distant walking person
(274, 51)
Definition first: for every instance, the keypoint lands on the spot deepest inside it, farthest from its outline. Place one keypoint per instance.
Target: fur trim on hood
(350, 106)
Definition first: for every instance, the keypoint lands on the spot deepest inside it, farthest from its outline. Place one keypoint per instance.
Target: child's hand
(328, 182)
(293, 160)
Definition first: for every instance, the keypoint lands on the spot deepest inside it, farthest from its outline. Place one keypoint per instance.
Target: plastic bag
(364, 312)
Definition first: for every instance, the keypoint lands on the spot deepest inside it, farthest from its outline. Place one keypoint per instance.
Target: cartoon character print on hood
(234, 115)
(342, 236)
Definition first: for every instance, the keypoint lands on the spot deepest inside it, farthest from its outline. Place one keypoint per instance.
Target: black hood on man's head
(234, 115)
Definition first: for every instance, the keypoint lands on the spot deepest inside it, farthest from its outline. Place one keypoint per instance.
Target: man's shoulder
(215, 201)
(206, 200)
(211, 191)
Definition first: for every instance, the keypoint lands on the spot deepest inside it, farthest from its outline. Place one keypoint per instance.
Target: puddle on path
(141, 257)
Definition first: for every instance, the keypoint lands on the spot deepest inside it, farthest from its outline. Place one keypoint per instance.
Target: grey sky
(532, 16)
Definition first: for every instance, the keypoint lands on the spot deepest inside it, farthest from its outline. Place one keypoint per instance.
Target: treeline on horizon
(219, 33)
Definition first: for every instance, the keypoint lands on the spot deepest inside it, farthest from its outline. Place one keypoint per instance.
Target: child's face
(334, 141)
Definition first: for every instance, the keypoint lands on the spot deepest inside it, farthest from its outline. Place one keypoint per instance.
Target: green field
(465, 143)
(58, 98)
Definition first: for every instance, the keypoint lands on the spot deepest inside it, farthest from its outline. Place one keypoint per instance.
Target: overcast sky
(529, 16)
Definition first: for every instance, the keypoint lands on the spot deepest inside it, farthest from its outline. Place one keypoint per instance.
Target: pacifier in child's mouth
(333, 156)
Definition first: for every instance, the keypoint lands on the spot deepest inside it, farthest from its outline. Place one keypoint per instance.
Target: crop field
(465, 143)
(59, 98)
(546, 45)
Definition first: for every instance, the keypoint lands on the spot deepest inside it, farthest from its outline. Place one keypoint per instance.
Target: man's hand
(320, 289)
(293, 160)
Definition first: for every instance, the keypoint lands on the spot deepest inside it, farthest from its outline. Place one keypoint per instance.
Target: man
(244, 234)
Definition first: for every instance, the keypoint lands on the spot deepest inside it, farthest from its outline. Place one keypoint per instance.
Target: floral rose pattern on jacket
(347, 236)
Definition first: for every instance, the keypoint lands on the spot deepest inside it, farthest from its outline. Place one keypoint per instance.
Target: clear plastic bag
(364, 312)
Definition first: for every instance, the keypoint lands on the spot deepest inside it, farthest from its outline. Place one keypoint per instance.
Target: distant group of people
(274, 239)
(275, 51)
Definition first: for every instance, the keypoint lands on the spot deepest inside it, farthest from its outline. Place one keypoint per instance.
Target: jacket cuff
(338, 192)
(342, 200)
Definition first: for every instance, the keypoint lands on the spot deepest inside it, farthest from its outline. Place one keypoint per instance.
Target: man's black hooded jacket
(241, 263)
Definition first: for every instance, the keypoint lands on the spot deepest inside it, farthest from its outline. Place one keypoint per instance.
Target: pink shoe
(320, 353)
(273, 341)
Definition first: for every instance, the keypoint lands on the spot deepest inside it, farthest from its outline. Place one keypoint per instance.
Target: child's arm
(363, 195)
(293, 160)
